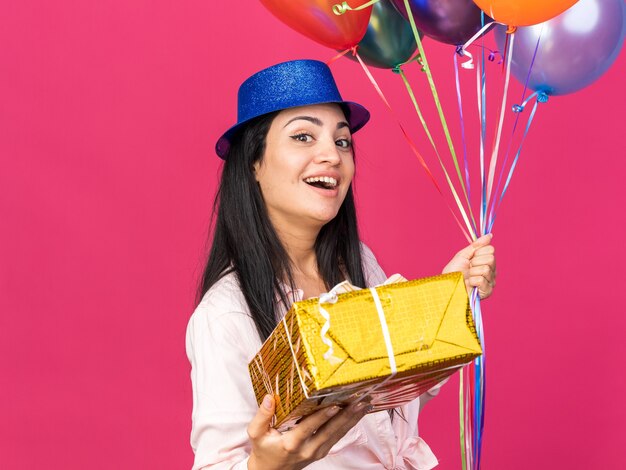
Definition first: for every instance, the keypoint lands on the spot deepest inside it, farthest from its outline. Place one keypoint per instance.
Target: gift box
(387, 344)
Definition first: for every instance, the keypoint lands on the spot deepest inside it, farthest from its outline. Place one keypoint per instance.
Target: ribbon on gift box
(331, 297)
(386, 336)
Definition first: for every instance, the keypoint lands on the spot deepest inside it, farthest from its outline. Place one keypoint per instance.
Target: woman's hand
(308, 441)
(477, 262)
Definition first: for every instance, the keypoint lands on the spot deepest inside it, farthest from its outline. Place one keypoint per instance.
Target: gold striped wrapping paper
(431, 331)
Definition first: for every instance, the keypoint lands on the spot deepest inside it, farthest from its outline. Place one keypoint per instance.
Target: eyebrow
(316, 121)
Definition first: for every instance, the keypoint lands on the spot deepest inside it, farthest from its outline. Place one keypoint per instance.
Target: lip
(325, 192)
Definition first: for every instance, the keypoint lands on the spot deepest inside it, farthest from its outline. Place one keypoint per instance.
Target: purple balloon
(449, 21)
(575, 48)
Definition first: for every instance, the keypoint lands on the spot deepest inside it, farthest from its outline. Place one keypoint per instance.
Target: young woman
(286, 230)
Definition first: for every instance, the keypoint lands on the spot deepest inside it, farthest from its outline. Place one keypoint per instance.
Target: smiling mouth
(322, 182)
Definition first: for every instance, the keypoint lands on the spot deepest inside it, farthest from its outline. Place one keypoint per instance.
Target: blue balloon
(575, 48)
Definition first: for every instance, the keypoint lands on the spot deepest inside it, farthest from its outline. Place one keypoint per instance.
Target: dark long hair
(245, 241)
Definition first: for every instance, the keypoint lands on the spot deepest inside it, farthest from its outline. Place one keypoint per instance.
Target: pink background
(109, 112)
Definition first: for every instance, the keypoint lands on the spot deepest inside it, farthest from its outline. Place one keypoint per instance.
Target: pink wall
(108, 115)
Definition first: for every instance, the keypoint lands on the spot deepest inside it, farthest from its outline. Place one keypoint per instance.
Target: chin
(321, 214)
(326, 217)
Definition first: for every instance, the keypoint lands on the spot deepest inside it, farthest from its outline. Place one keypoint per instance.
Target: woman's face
(307, 166)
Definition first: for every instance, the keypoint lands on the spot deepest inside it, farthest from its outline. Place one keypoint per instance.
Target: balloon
(389, 39)
(575, 48)
(523, 12)
(316, 20)
(449, 21)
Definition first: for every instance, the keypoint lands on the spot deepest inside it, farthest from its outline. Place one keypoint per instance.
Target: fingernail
(332, 411)
(267, 402)
(359, 406)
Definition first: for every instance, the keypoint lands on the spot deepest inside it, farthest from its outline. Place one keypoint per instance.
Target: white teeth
(324, 179)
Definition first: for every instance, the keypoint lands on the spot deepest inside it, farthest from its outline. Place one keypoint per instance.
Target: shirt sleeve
(374, 274)
(220, 341)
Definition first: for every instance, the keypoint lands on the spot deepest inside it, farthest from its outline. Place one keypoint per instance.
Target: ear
(256, 168)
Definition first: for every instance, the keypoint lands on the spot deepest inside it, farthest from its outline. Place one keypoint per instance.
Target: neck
(298, 238)
(299, 242)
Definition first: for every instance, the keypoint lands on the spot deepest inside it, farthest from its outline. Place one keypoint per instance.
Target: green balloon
(389, 40)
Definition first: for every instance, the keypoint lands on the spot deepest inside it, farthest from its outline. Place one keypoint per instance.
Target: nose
(328, 153)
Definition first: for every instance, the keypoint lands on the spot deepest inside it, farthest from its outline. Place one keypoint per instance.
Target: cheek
(350, 169)
(277, 177)
(270, 187)
(267, 183)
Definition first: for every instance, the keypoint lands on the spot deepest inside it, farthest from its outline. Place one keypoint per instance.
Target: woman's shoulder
(226, 291)
(374, 274)
(367, 253)
(223, 316)
(224, 298)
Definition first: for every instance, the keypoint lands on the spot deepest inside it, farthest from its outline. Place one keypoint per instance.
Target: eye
(344, 143)
(302, 137)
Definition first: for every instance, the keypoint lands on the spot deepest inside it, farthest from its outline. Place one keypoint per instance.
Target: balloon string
(492, 53)
(462, 419)
(474, 406)
(433, 90)
(472, 397)
(471, 228)
(466, 447)
(469, 419)
(338, 56)
(340, 8)
(481, 98)
(479, 383)
(478, 407)
(542, 97)
(465, 161)
(469, 416)
(409, 141)
(461, 50)
(483, 391)
(517, 109)
(532, 62)
(494, 155)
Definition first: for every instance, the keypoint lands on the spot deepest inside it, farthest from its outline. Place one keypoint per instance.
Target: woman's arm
(229, 430)
(218, 344)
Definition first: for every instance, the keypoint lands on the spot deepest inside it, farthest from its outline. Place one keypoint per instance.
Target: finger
(486, 292)
(260, 424)
(309, 425)
(481, 260)
(484, 287)
(470, 249)
(485, 250)
(485, 270)
(329, 434)
(330, 440)
(482, 241)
